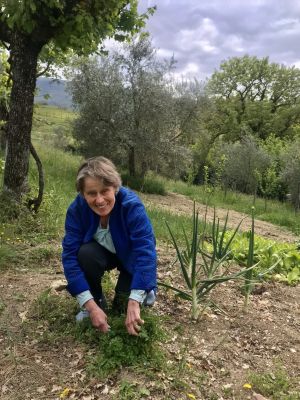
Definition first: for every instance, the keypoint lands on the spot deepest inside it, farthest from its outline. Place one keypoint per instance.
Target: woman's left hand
(133, 319)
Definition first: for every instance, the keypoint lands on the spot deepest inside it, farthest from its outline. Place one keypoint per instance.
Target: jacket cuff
(83, 297)
(138, 295)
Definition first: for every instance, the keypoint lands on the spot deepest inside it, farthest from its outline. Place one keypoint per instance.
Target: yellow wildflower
(65, 393)
(247, 386)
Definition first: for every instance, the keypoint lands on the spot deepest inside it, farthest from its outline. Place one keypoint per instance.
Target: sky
(203, 33)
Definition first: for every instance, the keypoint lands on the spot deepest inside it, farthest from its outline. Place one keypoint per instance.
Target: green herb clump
(105, 353)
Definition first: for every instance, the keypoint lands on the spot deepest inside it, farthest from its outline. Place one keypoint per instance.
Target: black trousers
(94, 260)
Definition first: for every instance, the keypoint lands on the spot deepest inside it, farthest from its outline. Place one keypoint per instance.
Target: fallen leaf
(41, 389)
(22, 315)
(55, 388)
(105, 390)
(4, 389)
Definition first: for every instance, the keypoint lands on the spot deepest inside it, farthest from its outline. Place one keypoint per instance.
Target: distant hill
(54, 88)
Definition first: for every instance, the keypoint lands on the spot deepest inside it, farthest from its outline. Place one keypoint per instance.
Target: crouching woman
(107, 227)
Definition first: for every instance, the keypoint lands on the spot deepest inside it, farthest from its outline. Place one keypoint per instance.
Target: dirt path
(182, 205)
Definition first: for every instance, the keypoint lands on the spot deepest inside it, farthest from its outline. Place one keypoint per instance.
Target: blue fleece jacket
(131, 232)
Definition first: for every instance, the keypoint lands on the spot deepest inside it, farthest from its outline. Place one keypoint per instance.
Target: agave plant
(203, 270)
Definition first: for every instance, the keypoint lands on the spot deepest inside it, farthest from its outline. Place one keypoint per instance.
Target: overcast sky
(202, 33)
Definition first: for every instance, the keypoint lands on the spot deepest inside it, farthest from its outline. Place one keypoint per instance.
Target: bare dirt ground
(210, 359)
(182, 205)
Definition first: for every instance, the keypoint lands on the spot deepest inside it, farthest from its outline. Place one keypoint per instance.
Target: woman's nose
(99, 198)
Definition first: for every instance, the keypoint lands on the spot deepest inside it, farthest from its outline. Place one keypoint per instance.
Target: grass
(132, 391)
(276, 385)
(8, 256)
(176, 222)
(148, 184)
(277, 212)
(50, 122)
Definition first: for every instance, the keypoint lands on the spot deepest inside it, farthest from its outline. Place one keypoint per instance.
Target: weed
(19, 297)
(51, 318)
(228, 392)
(118, 349)
(107, 352)
(132, 391)
(127, 390)
(276, 384)
(43, 253)
(8, 256)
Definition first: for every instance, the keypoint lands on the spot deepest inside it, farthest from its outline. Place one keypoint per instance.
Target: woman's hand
(133, 319)
(98, 316)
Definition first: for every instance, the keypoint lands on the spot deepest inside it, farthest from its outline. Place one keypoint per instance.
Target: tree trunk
(23, 62)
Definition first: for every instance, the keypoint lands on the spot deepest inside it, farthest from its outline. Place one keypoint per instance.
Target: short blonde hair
(101, 168)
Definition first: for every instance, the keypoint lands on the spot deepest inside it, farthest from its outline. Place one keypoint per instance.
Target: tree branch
(34, 204)
(44, 70)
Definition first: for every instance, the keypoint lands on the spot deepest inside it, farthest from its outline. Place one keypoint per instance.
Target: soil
(210, 359)
(182, 205)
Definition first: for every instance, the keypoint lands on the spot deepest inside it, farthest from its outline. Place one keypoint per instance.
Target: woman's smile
(99, 197)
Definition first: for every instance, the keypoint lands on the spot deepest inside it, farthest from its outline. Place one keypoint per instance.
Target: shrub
(148, 184)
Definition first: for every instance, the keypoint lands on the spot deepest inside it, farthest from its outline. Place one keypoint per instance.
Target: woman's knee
(91, 256)
(84, 253)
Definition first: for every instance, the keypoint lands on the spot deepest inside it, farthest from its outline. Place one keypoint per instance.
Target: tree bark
(24, 56)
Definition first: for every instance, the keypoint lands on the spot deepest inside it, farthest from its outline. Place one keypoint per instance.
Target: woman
(107, 227)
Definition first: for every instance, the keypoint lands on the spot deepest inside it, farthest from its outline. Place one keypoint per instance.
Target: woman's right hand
(98, 316)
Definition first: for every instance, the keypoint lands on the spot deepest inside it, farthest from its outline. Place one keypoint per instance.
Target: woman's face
(100, 198)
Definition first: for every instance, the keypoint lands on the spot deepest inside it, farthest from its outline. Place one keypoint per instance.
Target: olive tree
(126, 109)
(244, 163)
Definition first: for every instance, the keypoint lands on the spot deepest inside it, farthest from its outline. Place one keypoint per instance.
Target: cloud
(203, 33)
